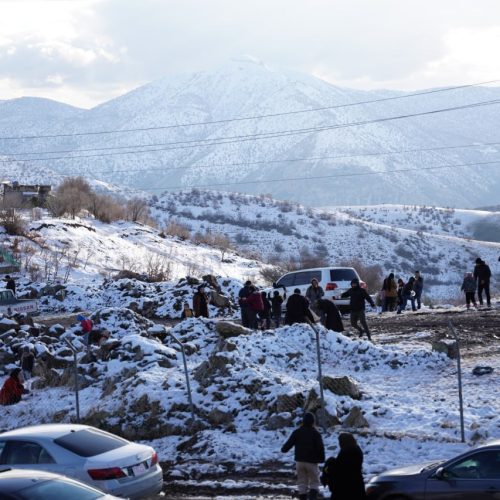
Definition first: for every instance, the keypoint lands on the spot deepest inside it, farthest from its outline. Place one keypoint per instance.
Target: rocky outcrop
(342, 386)
(355, 418)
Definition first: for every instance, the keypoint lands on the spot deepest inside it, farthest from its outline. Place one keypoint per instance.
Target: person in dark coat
(390, 292)
(254, 307)
(418, 287)
(469, 287)
(297, 309)
(242, 300)
(358, 297)
(200, 303)
(13, 388)
(482, 275)
(333, 320)
(344, 474)
(276, 304)
(407, 294)
(309, 452)
(265, 314)
(11, 284)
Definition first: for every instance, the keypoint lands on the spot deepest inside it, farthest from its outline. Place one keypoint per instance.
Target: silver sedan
(95, 457)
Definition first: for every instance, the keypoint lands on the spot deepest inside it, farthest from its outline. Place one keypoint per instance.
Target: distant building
(34, 195)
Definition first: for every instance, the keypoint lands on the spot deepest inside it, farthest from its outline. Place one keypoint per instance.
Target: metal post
(320, 376)
(75, 361)
(186, 373)
(459, 372)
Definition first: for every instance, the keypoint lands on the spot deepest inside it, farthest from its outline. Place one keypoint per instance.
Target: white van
(333, 280)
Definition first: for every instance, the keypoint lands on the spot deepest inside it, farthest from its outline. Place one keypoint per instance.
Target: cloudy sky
(87, 51)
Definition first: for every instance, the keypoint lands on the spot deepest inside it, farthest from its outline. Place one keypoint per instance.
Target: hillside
(255, 154)
(400, 239)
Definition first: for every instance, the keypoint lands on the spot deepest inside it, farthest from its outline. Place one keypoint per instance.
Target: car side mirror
(440, 473)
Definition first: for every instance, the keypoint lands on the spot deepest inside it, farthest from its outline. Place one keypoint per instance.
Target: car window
(343, 274)
(90, 442)
(482, 465)
(59, 489)
(24, 452)
(305, 277)
(286, 280)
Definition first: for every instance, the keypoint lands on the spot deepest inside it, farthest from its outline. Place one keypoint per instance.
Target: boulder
(448, 346)
(227, 329)
(218, 417)
(342, 386)
(7, 324)
(215, 365)
(288, 402)
(211, 280)
(278, 421)
(355, 419)
(219, 300)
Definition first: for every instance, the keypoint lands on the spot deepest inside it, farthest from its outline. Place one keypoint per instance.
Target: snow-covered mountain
(245, 87)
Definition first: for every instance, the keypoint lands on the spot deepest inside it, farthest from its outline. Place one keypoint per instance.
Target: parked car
(29, 484)
(333, 280)
(474, 475)
(85, 453)
(9, 304)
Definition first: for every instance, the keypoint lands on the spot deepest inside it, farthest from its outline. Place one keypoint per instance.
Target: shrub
(181, 231)
(372, 275)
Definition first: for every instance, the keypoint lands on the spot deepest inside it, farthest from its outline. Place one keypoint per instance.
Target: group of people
(396, 295)
(478, 280)
(342, 474)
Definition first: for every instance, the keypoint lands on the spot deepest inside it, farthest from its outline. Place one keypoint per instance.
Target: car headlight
(372, 488)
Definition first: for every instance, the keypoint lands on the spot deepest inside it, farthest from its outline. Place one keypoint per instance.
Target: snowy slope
(245, 87)
(400, 239)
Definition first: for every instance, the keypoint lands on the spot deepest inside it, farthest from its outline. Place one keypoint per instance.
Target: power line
(319, 177)
(198, 143)
(255, 117)
(290, 160)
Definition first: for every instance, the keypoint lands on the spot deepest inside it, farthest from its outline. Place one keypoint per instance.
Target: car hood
(410, 470)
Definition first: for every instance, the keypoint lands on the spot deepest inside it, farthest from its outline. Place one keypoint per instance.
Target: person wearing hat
(482, 275)
(243, 295)
(200, 303)
(358, 297)
(297, 309)
(13, 388)
(309, 452)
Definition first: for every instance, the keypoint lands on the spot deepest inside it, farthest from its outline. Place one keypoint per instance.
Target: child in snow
(13, 388)
(187, 312)
(469, 287)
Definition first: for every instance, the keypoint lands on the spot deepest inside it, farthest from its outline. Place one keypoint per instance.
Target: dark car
(25, 484)
(474, 475)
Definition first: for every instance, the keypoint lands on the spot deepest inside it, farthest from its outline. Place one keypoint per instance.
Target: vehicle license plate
(138, 469)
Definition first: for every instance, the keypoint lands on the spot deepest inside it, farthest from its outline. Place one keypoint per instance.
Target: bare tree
(105, 208)
(72, 196)
(137, 210)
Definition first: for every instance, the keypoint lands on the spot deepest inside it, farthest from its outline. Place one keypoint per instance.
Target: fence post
(75, 362)
(459, 373)
(186, 373)
(320, 376)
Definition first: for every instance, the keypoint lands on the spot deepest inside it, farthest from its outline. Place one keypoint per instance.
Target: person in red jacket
(13, 388)
(255, 305)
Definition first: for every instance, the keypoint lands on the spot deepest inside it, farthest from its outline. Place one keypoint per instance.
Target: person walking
(11, 284)
(297, 309)
(390, 290)
(332, 318)
(407, 294)
(469, 287)
(254, 307)
(200, 303)
(13, 388)
(358, 297)
(418, 287)
(309, 452)
(242, 300)
(482, 275)
(313, 293)
(344, 474)
(27, 362)
(276, 304)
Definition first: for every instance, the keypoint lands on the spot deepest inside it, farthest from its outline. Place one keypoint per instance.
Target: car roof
(15, 479)
(45, 430)
(493, 442)
(319, 269)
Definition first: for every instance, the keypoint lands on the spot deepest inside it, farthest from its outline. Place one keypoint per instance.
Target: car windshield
(58, 489)
(430, 466)
(90, 442)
